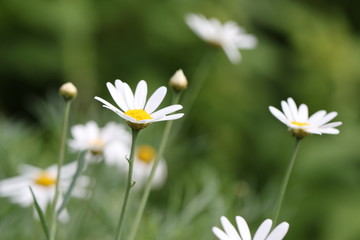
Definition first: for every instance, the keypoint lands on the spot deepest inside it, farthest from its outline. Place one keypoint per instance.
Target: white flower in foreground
(134, 108)
(42, 182)
(229, 36)
(243, 233)
(299, 122)
(101, 141)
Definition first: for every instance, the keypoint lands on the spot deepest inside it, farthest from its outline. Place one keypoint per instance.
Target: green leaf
(41, 215)
(80, 167)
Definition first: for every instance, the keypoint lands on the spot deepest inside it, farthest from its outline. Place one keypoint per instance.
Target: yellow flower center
(146, 153)
(45, 179)
(300, 124)
(138, 114)
(97, 146)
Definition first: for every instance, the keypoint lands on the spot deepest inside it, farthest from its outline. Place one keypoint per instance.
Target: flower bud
(178, 81)
(68, 91)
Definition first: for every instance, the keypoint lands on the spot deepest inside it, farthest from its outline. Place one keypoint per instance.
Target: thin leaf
(41, 215)
(79, 169)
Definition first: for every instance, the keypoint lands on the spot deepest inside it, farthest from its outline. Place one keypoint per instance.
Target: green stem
(286, 181)
(129, 184)
(148, 185)
(60, 163)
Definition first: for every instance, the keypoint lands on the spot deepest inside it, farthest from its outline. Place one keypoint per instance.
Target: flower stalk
(129, 184)
(286, 180)
(60, 164)
(148, 185)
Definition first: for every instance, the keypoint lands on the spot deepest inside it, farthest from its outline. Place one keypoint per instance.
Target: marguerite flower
(229, 36)
(299, 122)
(243, 233)
(42, 182)
(101, 141)
(134, 108)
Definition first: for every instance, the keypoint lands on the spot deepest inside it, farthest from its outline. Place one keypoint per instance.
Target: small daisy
(101, 141)
(299, 122)
(263, 232)
(134, 108)
(229, 36)
(42, 182)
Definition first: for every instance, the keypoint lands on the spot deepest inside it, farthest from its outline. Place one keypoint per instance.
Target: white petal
(279, 115)
(279, 232)
(286, 110)
(129, 96)
(229, 229)
(303, 113)
(220, 234)
(140, 95)
(263, 230)
(327, 118)
(165, 111)
(316, 117)
(169, 117)
(332, 125)
(155, 100)
(117, 96)
(330, 131)
(243, 228)
(232, 53)
(293, 109)
(108, 105)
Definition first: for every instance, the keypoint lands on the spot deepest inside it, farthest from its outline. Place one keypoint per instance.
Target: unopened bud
(178, 81)
(68, 91)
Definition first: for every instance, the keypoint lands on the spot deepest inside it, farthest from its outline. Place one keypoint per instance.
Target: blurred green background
(230, 155)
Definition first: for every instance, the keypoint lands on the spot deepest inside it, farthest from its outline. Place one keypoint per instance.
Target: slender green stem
(148, 185)
(60, 163)
(129, 184)
(286, 181)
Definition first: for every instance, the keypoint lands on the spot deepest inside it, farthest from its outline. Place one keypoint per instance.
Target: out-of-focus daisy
(101, 141)
(42, 182)
(243, 233)
(143, 161)
(299, 122)
(134, 108)
(229, 36)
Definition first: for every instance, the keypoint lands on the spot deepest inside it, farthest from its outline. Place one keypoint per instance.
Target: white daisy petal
(167, 110)
(155, 100)
(330, 131)
(229, 229)
(279, 115)
(303, 113)
(117, 96)
(129, 96)
(243, 228)
(220, 234)
(293, 109)
(279, 232)
(317, 116)
(328, 117)
(287, 111)
(169, 117)
(332, 125)
(140, 95)
(263, 230)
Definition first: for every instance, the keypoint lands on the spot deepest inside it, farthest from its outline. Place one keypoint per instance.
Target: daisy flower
(134, 108)
(299, 122)
(101, 141)
(229, 36)
(42, 182)
(243, 233)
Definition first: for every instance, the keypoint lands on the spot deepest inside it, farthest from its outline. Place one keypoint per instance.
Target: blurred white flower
(109, 142)
(143, 161)
(229, 36)
(243, 233)
(299, 122)
(43, 182)
(135, 109)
